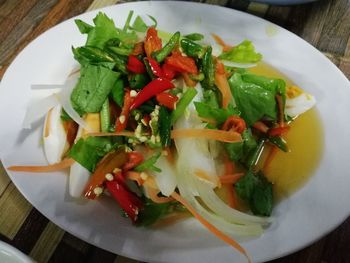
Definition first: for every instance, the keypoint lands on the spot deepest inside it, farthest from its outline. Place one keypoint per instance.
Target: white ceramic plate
(9, 254)
(309, 214)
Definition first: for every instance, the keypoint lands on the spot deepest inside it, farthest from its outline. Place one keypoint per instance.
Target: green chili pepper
(208, 69)
(138, 81)
(160, 55)
(105, 116)
(164, 126)
(118, 92)
(149, 164)
(254, 157)
(194, 36)
(191, 48)
(93, 54)
(279, 142)
(181, 106)
(199, 77)
(120, 51)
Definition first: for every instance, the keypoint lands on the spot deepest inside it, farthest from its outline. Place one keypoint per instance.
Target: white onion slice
(237, 65)
(37, 110)
(46, 86)
(166, 179)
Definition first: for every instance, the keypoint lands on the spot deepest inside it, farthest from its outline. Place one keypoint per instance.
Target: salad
(169, 126)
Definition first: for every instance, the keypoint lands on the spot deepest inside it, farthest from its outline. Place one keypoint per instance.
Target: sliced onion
(37, 110)
(166, 179)
(64, 98)
(46, 86)
(238, 65)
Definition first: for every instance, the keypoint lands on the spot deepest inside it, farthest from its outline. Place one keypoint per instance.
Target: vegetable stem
(182, 104)
(105, 116)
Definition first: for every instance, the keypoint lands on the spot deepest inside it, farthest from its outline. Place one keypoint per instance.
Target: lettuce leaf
(94, 85)
(242, 53)
(239, 151)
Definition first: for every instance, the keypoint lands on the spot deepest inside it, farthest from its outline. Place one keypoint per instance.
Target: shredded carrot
(230, 178)
(210, 227)
(153, 195)
(225, 47)
(222, 84)
(135, 176)
(229, 165)
(272, 153)
(219, 135)
(65, 163)
(206, 177)
(189, 82)
(101, 134)
(231, 196)
(260, 126)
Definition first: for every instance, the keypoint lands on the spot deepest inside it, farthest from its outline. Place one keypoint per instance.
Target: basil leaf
(88, 152)
(219, 115)
(253, 101)
(94, 85)
(84, 28)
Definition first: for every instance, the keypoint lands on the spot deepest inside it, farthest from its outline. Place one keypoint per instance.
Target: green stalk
(105, 117)
(160, 55)
(181, 106)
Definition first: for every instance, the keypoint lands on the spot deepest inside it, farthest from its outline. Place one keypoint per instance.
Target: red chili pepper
(152, 42)
(135, 65)
(181, 63)
(168, 71)
(278, 131)
(153, 88)
(111, 161)
(128, 201)
(234, 123)
(166, 99)
(122, 121)
(134, 159)
(155, 67)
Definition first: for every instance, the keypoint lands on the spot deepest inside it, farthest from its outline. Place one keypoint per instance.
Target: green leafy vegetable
(279, 142)
(139, 25)
(239, 151)
(94, 85)
(152, 212)
(65, 116)
(138, 81)
(257, 191)
(88, 152)
(242, 53)
(118, 92)
(84, 28)
(253, 101)
(211, 97)
(149, 164)
(219, 115)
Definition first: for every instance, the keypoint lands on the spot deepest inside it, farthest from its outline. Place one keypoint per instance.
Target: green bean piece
(160, 55)
(208, 69)
(191, 48)
(254, 157)
(105, 116)
(94, 54)
(164, 126)
(194, 36)
(279, 142)
(181, 106)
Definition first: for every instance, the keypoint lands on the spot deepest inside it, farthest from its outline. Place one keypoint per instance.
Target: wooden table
(324, 24)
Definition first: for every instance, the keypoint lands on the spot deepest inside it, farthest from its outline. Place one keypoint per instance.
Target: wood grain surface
(324, 24)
